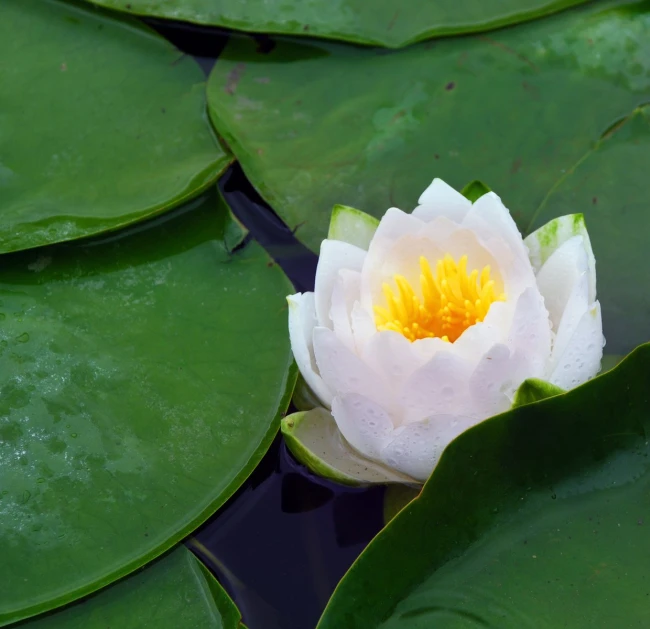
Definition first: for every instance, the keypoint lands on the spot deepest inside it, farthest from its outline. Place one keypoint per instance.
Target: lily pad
(535, 518)
(145, 376)
(382, 22)
(605, 182)
(176, 592)
(316, 124)
(102, 124)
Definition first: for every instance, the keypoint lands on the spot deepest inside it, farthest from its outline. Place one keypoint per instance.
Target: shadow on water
(284, 540)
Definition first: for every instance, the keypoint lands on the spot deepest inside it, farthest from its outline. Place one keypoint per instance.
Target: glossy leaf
(316, 124)
(383, 22)
(102, 124)
(176, 592)
(535, 518)
(145, 374)
(606, 183)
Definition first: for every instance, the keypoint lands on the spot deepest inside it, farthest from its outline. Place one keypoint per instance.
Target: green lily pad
(176, 592)
(535, 518)
(102, 124)
(606, 183)
(316, 124)
(382, 22)
(144, 378)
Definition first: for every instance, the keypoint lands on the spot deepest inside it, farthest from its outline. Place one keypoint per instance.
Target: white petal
(344, 372)
(530, 333)
(558, 275)
(394, 356)
(334, 256)
(438, 387)
(344, 295)
(364, 423)
(580, 360)
(363, 326)
(490, 220)
(393, 226)
(480, 337)
(490, 209)
(544, 241)
(495, 380)
(440, 199)
(302, 320)
(416, 448)
(577, 305)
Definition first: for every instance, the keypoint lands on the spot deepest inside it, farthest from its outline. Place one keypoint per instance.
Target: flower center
(452, 301)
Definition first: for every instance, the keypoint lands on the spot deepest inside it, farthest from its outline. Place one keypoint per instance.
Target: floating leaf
(535, 518)
(390, 23)
(315, 124)
(102, 124)
(144, 377)
(176, 592)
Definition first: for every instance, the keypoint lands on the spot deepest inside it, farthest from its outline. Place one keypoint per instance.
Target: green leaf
(474, 190)
(102, 124)
(315, 440)
(535, 518)
(352, 226)
(396, 497)
(144, 378)
(534, 390)
(372, 130)
(606, 184)
(382, 22)
(176, 592)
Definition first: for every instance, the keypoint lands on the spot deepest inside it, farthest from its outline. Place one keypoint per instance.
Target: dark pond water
(282, 543)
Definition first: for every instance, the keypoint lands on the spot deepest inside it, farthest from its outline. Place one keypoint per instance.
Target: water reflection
(283, 542)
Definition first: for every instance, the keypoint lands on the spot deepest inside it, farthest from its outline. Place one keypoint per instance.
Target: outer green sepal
(314, 439)
(534, 390)
(352, 226)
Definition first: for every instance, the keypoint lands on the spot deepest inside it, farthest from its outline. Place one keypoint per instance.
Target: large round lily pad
(316, 124)
(176, 592)
(144, 377)
(102, 123)
(390, 23)
(537, 518)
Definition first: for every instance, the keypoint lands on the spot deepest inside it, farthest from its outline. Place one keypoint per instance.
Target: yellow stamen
(452, 300)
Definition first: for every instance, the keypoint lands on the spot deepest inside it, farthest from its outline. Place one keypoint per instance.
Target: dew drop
(447, 392)
(23, 338)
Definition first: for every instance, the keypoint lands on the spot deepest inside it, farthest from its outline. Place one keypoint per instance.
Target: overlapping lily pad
(535, 518)
(145, 373)
(176, 592)
(102, 124)
(317, 124)
(391, 23)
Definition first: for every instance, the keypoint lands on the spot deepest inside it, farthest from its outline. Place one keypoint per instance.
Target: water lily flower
(424, 324)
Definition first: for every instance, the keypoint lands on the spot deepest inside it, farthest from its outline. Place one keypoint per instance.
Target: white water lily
(424, 324)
